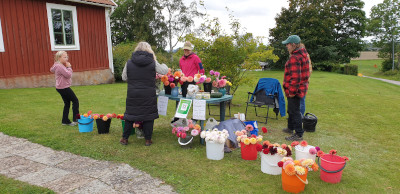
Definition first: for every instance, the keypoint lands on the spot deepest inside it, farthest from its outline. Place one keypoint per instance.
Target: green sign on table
(183, 108)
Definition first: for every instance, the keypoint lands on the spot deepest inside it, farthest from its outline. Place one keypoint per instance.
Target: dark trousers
(147, 129)
(294, 120)
(69, 96)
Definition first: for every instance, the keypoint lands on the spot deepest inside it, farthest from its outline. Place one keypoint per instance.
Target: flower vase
(248, 152)
(175, 91)
(167, 89)
(207, 87)
(223, 91)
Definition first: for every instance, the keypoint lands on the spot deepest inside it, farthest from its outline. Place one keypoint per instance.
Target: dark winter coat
(141, 100)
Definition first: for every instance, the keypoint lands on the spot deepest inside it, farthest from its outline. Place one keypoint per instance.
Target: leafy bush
(337, 68)
(387, 65)
(121, 53)
(350, 69)
(323, 66)
(391, 73)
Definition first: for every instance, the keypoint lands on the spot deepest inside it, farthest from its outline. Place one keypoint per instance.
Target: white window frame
(1, 39)
(55, 47)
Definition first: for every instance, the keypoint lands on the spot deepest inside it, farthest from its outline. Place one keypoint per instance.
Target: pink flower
(202, 79)
(215, 84)
(186, 128)
(184, 78)
(208, 80)
(222, 83)
(312, 151)
(183, 135)
(170, 79)
(195, 132)
(190, 79)
(174, 130)
(211, 72)
(217, 74)
(317, 148)
(249, 127)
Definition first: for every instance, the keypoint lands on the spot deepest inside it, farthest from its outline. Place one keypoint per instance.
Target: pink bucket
(331, 168)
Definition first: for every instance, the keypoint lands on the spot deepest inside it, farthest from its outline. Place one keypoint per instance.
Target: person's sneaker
(287, 130)
(70, 124)
(123, 141)
(294, 137)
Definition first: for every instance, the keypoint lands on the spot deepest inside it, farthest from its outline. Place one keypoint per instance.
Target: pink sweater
(63, 75)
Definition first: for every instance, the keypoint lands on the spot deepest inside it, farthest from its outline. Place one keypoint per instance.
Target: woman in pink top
(190, 63)
(63, 73)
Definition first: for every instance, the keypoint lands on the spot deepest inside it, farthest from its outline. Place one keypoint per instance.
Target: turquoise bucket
(85, 124)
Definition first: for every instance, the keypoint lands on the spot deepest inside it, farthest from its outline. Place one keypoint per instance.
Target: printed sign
(162, 105)
(199, 109)
(183, 108)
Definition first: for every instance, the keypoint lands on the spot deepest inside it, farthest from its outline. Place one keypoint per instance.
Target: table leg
(222, 111)
(202, 129)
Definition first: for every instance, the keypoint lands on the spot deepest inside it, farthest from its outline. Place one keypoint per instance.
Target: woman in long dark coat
(141, 100)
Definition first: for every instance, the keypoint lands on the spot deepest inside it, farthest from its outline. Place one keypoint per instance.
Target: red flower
(172, 85)
(181, 82)
(78, 116)
(266, 151)
(345, 158)
(264, 130)
(295, 143)
(259, 147)
(320, 153)
(280, 164)
(101, 116)
(303, 143)
(114, 115)
(254, 136)
(333, 152)
(90, 112)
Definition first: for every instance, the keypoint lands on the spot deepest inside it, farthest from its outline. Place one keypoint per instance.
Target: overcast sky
(257, 16)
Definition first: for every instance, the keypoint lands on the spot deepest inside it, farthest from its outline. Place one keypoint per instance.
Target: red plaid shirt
(297, 73)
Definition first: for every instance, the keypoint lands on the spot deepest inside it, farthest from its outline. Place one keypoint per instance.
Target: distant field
(367, 55)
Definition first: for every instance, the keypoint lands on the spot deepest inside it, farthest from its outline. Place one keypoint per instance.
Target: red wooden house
(32, 31)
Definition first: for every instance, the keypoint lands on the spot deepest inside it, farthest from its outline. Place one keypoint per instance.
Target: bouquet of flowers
(185, 131)
(268, 148)
(172, 80)
(297, 167)
(215, 135)
(242, 137)
(217, 81)
(303, 146)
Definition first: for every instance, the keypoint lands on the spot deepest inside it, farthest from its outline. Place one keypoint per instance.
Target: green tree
(383, 24)
(324, 26)
(179, 20)
(138, 21)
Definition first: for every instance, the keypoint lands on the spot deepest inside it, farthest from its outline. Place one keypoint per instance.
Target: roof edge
(92, 3)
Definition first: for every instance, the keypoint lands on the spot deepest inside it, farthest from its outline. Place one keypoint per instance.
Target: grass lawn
(8, 185)
(366, 67)
(358, 117)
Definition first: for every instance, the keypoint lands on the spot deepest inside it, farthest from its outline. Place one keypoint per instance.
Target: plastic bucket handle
(86, 123)
(179, 141)
(305, 182)
(328, 171)
(311, 114)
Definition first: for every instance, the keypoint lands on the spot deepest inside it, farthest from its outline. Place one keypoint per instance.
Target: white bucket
(215, 151)
(269, 163)
(303, 152)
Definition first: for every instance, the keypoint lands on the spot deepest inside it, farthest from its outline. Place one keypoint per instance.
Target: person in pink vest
(190, 63)
(63, 74)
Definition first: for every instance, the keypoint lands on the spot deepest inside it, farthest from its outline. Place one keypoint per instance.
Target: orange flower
(166, 83)
(177, 74)
(266, 143)
(197, 75)
(190, 79)
(320, 153)
(315, 167)
(303, 143)
(164, 78)
(172, 85)
(297, 163)
(289, 169)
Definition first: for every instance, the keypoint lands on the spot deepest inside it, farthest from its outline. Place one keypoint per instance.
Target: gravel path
(64, 172)
(385, 80)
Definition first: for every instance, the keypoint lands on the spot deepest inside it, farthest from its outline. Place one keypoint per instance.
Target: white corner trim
(54, 47)
(109, 43)
(93, 3)
(1, 39)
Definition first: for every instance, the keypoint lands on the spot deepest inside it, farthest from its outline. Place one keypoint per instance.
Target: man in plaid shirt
(295, 84)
